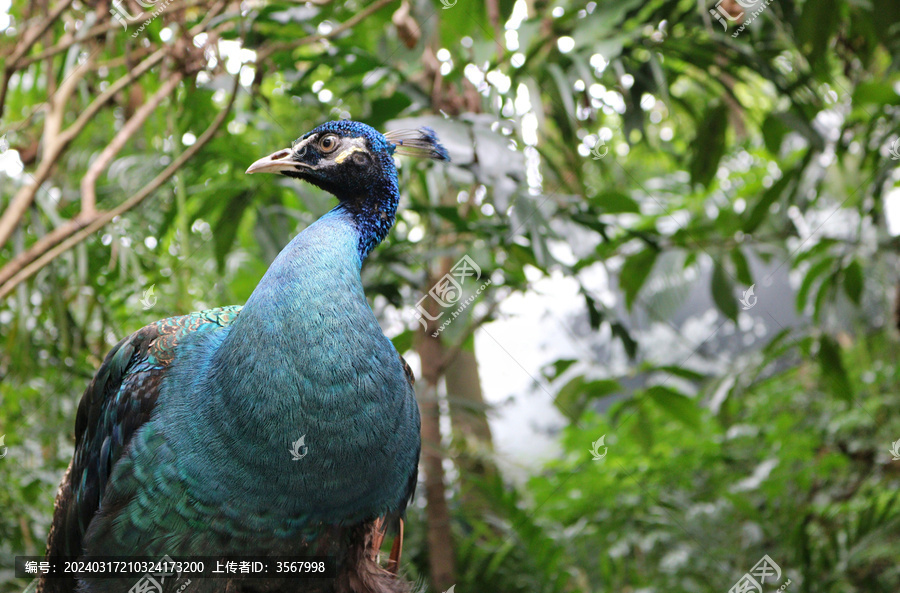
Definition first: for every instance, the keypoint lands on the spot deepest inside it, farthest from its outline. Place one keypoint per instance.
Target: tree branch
(38, 256)
(450, 353)
(89, 181)
(55, 144)
(28, 41)
(349, 23)
(99, 30)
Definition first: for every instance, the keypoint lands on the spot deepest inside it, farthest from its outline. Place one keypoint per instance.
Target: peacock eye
(328, 143)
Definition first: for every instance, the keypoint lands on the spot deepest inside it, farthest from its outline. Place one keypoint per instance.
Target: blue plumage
(183, 436)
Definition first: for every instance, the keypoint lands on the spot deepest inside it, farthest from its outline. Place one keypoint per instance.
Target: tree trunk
(471, 431)
(442, 563)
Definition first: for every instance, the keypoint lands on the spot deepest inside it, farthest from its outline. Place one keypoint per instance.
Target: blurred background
(679, 353)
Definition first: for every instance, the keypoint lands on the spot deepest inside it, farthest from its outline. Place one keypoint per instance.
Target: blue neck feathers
(302, 358)
(374, 213)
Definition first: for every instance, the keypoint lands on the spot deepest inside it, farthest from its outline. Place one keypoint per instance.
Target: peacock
(286, 427)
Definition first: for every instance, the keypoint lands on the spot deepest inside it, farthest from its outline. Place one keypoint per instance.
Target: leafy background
(622, 171)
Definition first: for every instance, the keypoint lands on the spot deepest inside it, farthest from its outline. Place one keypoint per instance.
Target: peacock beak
(278, 162)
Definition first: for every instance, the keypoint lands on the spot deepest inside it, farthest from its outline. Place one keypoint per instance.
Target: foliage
(635, 142)
(785, 470)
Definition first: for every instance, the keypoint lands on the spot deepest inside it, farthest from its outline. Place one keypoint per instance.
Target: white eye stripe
(343, 156)
(298, 147)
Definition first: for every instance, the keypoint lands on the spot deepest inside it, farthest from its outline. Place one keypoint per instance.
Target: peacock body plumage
(184, 435)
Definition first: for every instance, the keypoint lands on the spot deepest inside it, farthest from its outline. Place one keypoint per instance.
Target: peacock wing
(118, 401)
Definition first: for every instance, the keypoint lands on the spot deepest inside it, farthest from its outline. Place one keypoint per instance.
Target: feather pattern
(183, 436)
(421, 143)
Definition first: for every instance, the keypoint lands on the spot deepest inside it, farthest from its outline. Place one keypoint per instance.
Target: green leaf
(875, 92)
(679, 372)
(709, 144)
(826, 289)
(816, 25)
(741, 267)
(774, 130)
(387, 108)
(575, 395)
(853, 281)
(803, 126)
(723, 292)
(564, 88)
(634, 273)
(820, 267)
(616, 201)
(557, 368)
(676, 404)
(621, 332)
(226, 227)
(595, 315)
(816, 250)
(834, 374)
(403, 341)
(761, 208)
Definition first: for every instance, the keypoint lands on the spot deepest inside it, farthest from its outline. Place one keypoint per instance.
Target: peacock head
(350, 159)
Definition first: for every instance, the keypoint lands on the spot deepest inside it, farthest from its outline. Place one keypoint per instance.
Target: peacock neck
(305, 357)
(306, 313)
(373, 209)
